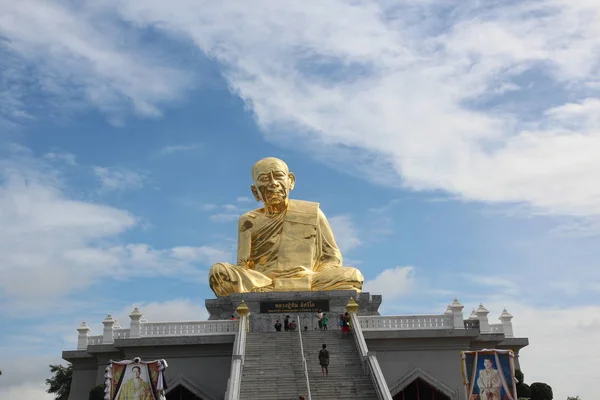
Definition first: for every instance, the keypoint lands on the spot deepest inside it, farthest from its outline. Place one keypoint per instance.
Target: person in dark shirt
(286, 323)
(292, 326)
(278, 326)
(324, 360)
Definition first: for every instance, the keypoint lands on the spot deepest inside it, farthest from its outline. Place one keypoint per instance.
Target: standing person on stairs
(324, 360)
(320, 319)
(325, 321)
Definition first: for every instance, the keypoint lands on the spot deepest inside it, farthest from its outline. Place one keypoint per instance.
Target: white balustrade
(369, 323)
(94, 340)
(140, 327)
(121, 333)
(154, 329)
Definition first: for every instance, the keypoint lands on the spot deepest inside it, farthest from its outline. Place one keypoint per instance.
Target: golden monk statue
(287, 245)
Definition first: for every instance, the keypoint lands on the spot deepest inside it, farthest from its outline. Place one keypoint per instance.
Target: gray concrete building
(384, 357)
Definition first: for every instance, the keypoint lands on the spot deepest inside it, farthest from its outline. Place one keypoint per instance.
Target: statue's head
(273, 181)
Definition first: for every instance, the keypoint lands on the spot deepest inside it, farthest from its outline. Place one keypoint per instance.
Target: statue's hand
(247, 264)
(294, 272)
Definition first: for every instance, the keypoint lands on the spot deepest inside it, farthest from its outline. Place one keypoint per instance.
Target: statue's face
(272, 181)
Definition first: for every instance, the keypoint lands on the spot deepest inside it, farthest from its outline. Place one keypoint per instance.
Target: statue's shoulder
(250, 215)
(246, 221)
(303, 206)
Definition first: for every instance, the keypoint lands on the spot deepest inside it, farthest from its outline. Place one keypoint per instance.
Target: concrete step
(273, 367)
(346, 379)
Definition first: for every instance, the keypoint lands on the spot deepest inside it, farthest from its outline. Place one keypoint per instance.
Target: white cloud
(420, 90)
(224, 217)
(345, 233)
(410, 86)
(172, 310)
(78, 53)
(244, 199)
(494, 283)
(118, 179)
(24, 377)
(26, 391)
(67, 158)
(392, 283)
(51, 246)
(180, 148)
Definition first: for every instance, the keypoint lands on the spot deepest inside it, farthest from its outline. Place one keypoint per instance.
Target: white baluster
(457, 314)
(507, 327)
(482, 316)
(135, 324)
(82, 337)
(107, 335)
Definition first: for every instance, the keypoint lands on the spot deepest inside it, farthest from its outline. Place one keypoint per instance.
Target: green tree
(97, 393)
(541, 391)
(573, 398)
(519, 376)
(60, 383)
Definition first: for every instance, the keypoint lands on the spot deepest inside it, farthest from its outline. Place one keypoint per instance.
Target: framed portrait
(489, 375)
(135, 380)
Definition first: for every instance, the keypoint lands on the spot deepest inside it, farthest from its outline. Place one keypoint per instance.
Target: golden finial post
(243, 311)
(352, 306)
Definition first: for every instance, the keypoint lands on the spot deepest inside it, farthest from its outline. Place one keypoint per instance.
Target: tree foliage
(97, 393)
(573, 398)
(541, 391)
(523, 390)
(60, 383)
(519, 376)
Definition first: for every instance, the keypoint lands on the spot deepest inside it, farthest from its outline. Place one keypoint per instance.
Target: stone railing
(378, 323)
(452, 319)
(121, 333)
(140, 328)
(93, 340)
(369, 360)
(192, 328)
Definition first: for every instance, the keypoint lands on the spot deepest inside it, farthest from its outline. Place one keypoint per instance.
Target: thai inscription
(271, 307)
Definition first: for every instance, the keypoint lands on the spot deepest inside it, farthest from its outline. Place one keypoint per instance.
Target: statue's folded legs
(226, 279)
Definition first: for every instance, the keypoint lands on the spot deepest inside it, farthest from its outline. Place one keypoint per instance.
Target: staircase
(273, 367)
(346, 378)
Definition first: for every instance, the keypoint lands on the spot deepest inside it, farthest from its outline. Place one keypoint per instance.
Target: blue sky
(453, 147)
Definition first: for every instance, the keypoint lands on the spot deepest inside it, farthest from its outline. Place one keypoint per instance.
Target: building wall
(436, 353)
(205, 363)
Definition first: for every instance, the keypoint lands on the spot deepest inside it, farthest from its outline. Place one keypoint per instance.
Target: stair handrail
(369, 358)
(303, 358)
(234, 382)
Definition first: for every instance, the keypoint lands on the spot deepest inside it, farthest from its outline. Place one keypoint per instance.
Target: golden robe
(297, 244)
(135, 389)
(489, 379)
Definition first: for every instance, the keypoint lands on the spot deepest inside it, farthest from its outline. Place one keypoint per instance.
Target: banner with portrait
(135, 380)
(489, 375)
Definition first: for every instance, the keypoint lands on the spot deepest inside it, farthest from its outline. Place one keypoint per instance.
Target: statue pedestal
(266, 308)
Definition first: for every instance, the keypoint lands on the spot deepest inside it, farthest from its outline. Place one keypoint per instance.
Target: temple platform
(266, 308)
(204, 356)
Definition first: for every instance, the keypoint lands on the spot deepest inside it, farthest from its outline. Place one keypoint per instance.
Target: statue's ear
(255, 193)
(292, 179)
